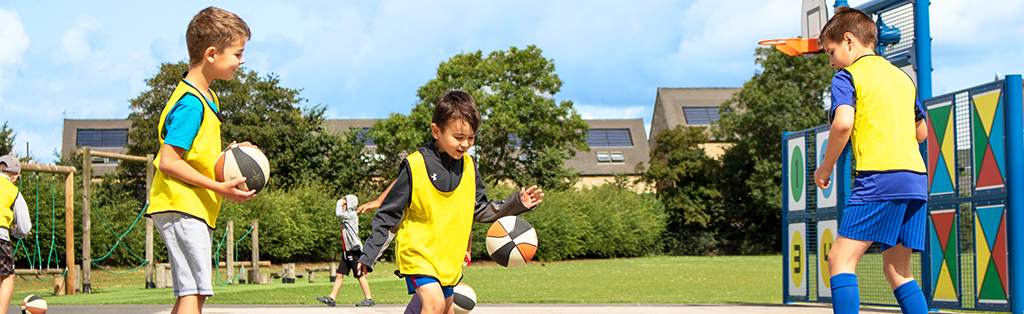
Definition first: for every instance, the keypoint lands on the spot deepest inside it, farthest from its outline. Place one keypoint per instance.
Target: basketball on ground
(243, 161)
(33, 304)
(511, 241)
(464, 299)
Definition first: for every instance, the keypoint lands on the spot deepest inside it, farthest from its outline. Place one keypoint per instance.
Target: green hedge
(299, 224)
(595, 222)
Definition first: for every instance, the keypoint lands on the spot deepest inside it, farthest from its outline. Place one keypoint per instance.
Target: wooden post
(230, 262)
(69, 231)
(78, 277)
(86, 224)
(150, 282)
(288, 273)
(255, 250)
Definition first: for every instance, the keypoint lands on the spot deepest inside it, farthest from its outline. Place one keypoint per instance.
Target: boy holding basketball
(14, 221)
(351, 250)
(433, 203)
(185, 198)
(874, 105)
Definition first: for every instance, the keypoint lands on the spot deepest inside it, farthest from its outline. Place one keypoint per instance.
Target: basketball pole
(785, 220)
(1015, 190)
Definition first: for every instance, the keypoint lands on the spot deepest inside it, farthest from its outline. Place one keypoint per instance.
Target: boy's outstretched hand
(531, 197)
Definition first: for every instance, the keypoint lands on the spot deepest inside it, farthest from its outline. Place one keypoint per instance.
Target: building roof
(669, 104)
(341, 125)
(587, 162)
(633, 151)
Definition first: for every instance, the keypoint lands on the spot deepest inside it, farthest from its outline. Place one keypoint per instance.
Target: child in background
(351, 250)
(14, 221)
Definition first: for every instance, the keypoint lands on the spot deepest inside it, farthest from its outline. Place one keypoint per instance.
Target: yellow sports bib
(172, 195)
(884, 133)
(432, 237)
(8, 194)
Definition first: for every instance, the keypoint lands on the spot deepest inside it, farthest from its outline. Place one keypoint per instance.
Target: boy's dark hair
(849, 20)
(456, 105)
(213, 27)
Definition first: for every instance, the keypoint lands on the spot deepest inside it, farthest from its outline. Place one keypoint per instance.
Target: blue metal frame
(1015, 189)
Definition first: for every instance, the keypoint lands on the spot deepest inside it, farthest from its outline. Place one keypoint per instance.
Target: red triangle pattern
(933, 153)
(989, 175)
(999, 251)
(943, 222)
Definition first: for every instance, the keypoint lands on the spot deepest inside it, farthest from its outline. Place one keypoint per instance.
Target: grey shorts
(189, 247)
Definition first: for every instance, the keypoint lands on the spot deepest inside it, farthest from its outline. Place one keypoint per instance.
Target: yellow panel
(944, 289)
(986, 105)
(984, 254)
(949, 151)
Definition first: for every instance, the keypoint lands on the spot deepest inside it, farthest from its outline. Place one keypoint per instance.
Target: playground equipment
(972, 258)
(152, 280)
(36, 267)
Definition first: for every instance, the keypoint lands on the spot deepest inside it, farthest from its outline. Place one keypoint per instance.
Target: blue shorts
(887, 222)
(413, 282)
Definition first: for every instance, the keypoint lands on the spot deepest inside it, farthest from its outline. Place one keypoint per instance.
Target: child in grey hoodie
(352, 249)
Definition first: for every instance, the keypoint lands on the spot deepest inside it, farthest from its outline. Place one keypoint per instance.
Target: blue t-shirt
(182, 123)
(873, 186)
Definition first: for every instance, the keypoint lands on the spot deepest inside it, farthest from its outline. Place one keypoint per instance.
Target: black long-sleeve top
(448, 173)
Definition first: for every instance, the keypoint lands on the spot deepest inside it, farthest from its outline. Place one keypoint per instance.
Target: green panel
(940, 117)
(951, 255)
(980, 144)
(992, 287)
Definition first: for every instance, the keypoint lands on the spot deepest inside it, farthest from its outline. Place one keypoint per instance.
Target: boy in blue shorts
(432, 205)
(874, 105)
(185, 197)
(14, 221)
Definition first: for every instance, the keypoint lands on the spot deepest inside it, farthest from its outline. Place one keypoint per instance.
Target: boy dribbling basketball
(433, 203)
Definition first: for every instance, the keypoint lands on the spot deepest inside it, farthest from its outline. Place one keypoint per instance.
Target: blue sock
(911, 298)
(845, 294)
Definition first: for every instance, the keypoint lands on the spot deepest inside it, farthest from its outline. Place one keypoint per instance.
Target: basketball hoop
(793, 46)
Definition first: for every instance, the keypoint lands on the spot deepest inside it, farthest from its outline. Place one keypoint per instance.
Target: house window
(368, 141)
(610, 157)
(618, 157)
(609, 138)
(700, 115)
(102, 137)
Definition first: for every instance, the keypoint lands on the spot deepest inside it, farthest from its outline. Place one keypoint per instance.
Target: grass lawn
(659, 279)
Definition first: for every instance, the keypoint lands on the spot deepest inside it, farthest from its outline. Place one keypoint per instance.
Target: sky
(366, 59)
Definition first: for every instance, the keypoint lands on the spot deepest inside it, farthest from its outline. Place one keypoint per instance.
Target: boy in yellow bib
(433, 203)
(185, 197)
(875, 106)
(14, 221)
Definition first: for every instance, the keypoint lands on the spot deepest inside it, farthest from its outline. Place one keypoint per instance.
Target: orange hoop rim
(773, 42)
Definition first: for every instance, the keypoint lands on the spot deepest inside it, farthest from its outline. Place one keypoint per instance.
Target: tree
(685, 178)
(786, 95)
(6, 139)
(526, 136)
(255, 109)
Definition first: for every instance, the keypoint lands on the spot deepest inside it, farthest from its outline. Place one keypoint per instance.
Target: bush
(597, 222)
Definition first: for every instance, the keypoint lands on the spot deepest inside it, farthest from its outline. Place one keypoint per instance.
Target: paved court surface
(481, 309)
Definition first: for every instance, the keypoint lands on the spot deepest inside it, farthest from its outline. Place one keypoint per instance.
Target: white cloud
(13, 44)
(74, 44)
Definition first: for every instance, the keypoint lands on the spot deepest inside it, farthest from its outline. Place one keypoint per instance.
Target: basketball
(243, 161)
(511, 241)
(33, 304)
(464, 299)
